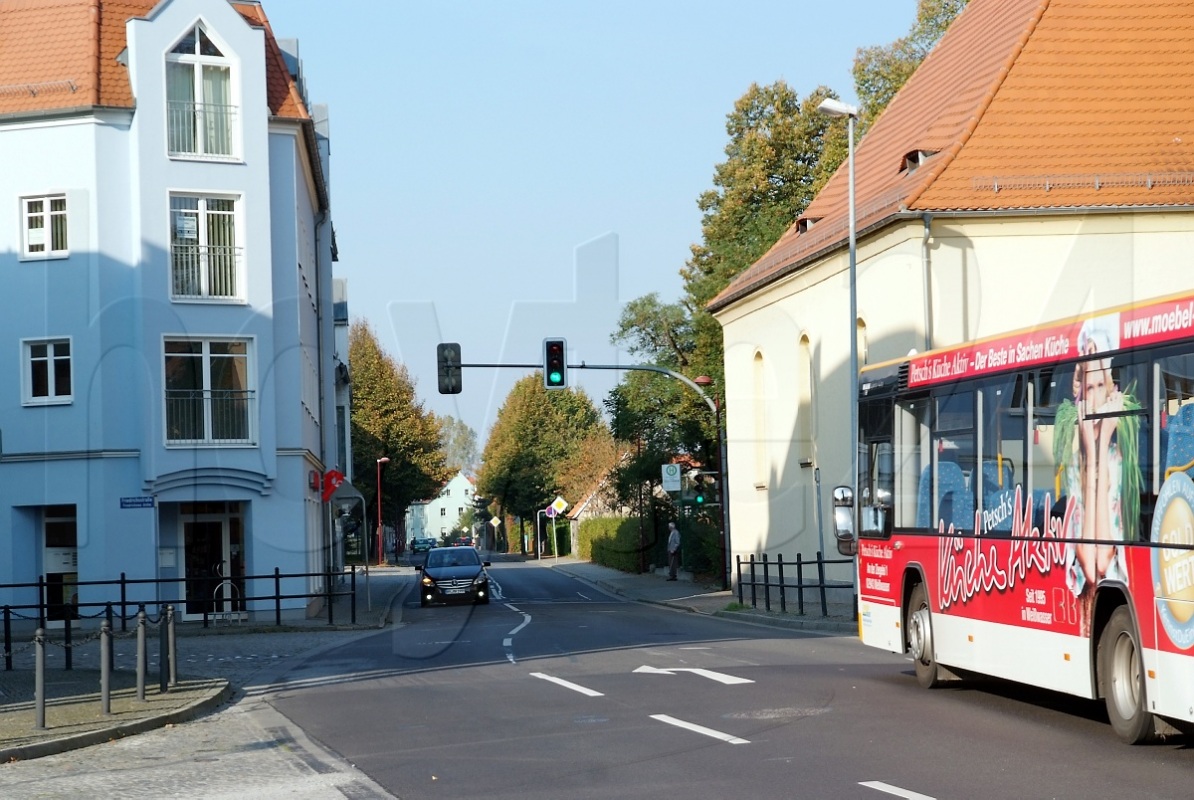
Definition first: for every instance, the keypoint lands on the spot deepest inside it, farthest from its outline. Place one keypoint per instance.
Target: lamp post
(836, 108)
(706, 381)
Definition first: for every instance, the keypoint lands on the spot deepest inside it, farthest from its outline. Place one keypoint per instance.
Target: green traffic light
(700, 498)
(555, 378)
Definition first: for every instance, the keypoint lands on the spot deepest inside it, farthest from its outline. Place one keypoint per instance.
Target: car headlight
(480, 580)
(427, 582)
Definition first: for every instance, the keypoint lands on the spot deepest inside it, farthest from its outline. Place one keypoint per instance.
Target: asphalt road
(556, 690)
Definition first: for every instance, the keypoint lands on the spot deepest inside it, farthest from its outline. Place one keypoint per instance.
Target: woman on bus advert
(1098, 468)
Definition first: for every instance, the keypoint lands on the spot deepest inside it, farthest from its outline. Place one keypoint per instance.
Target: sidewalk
(712, 600)
(224, 663)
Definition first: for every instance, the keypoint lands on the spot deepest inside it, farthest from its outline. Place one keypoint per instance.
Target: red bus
(1024, 510)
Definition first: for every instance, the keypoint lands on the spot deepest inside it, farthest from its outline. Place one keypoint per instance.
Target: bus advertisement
(1024, 510)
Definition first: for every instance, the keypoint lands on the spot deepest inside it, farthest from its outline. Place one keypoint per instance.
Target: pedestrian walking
(673, 551)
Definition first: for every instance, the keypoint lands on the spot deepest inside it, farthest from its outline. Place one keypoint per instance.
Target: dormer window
(199, 105)
(914, 158)
(804, 224)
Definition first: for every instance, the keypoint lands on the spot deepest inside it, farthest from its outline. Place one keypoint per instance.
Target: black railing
(119, 598)
(749, 577)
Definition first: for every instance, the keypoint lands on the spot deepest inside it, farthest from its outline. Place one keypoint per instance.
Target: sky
(502, 173)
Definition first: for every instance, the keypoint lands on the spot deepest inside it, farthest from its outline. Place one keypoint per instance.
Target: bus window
(1176, 376)
(876, 479)
(955, 464)
(1048, 452)
(911, 451)
(1003, 443)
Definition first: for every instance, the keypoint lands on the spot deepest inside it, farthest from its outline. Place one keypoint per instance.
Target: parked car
(421, 545)
(452, 574)
(464, 541)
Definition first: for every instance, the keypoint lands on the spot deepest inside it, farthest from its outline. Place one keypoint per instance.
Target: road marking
(704, 673)
(584, 596)
(679, 723)
(526, 620)
(567, 685)
(507, 642)
(897, 791)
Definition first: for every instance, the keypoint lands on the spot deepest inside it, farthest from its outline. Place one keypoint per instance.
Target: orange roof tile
(61, 54)
(1025, 104)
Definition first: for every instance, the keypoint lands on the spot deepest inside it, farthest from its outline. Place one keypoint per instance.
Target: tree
(459, 443)
(389, 420)
(880, 71)
(535, 433)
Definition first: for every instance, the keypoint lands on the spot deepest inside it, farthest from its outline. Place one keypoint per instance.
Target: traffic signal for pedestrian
(555, 363)
(447, 356)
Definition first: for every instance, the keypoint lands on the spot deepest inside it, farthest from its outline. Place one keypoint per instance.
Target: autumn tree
(535, 434)
(388, 420)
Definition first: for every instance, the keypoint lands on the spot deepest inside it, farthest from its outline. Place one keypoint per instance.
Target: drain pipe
(924, 263)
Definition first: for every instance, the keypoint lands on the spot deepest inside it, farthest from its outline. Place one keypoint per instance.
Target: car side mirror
(486, 564)
(418, 567)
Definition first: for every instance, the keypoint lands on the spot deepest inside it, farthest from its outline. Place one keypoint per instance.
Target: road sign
(495, 522)
(550, 511)
(559, 504)
(671, 477)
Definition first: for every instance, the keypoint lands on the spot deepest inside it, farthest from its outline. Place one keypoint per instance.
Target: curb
(185, 714)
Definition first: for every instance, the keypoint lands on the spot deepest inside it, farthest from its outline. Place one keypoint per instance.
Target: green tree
(388, 420)
(880, 71)
(535, 433)
(459, 443)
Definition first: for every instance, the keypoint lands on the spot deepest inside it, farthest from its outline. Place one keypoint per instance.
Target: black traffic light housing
(555, 363)
(447, 356)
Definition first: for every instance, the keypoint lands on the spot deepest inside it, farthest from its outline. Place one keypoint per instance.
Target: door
(213, 563)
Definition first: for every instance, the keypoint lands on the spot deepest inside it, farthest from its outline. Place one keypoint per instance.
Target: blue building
(168, 409)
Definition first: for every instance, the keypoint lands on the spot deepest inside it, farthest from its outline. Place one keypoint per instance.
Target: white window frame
(207, 139)
(45, 238)
(51, 359)
(207, 399)
(211, 272)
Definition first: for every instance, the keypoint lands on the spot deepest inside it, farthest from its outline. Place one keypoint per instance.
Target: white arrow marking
(561, 682)
(897, 791)
(704, 673)
(679, 723)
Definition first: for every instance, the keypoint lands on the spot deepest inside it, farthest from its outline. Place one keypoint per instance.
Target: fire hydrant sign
(671, 477)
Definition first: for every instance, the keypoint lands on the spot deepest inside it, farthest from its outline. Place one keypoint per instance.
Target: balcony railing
(201, 129)
(210, 417)
(204, 272)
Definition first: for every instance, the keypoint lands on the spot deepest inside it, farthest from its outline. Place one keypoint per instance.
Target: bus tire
(1121, 678)
(920, 638)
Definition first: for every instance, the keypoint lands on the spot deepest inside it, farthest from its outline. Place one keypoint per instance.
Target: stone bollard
(106, 668)
(173, 645)
(141, 655)
(39, 680)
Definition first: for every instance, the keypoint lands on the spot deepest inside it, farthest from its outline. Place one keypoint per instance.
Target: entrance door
(213, 558)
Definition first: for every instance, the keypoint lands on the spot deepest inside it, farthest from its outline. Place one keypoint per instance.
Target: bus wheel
(1122, 678)
(920, 638)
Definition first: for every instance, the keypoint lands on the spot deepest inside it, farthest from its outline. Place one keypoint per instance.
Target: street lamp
(836, 108)
(705, 381)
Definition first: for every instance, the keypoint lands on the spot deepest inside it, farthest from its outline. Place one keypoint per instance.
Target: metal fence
(768, 575)
(220, 601)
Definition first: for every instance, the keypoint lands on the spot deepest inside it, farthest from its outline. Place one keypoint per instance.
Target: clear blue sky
(503, 172)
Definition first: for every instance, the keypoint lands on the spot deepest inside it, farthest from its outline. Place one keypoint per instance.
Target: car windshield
(453, 558)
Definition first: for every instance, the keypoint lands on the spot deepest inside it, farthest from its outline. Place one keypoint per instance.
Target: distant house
(1004, 187)
(439, 516)
(166, 245)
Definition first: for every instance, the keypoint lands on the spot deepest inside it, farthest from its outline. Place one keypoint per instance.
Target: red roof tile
(61, 54)
(1025, 104)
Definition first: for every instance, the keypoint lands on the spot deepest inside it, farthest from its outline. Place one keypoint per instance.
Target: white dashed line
(567, 684)
(679, 723)
(897, 791)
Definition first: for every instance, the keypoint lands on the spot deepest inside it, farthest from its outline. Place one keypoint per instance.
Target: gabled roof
(1023, 104)
(61, 55)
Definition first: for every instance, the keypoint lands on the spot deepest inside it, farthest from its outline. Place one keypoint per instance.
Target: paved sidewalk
(222, 664)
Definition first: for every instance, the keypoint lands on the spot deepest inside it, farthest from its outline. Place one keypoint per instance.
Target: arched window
(199, 110)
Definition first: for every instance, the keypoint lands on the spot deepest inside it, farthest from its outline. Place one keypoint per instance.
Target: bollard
(353, 581)
(783, 598)
(821, 580)
(173, 645)
(800, 584)
(277, 597)
(106, 668)
(69, 653)
(738, 562)
(163, 653)
(766, 584)
(39, 680)
(7, 639)
(111, 650)
(141, 655)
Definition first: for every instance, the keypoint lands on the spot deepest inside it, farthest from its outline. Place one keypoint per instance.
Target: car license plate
(454, 591)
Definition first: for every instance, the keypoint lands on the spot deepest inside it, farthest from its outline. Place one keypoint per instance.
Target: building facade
(168, 255)
(439, 516)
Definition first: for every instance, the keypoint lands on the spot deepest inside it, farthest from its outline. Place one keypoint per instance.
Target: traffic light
(698, 490)
(447, 355)
(555, 364)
